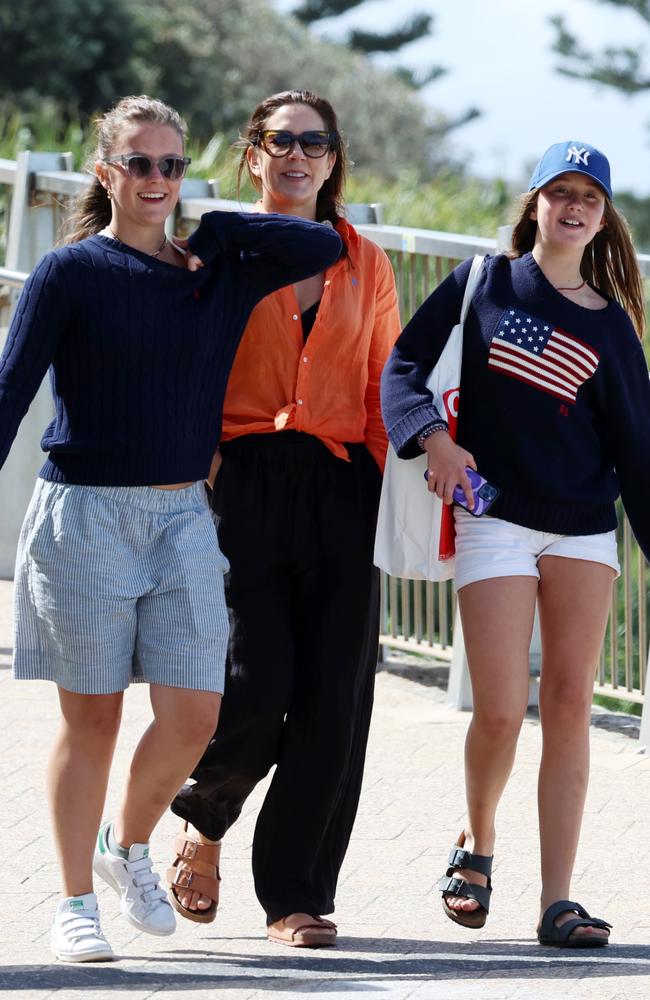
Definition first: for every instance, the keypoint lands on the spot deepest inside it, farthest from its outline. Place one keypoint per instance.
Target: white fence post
(644, 731)
(358, 214)
(504, 238)
(32, 223)
(191, 187)
(32, 232)
(459, 689)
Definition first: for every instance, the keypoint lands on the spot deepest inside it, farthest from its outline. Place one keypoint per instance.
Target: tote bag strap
(470, 287)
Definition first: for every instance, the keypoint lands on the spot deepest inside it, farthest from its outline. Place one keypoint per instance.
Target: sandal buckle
(455, 886)
(190, 849)
(184, 878)
(458, 858)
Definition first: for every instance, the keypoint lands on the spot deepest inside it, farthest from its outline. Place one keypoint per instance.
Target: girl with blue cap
(555, 412)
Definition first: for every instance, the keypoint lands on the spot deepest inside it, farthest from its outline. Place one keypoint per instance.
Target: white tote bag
(415, 529)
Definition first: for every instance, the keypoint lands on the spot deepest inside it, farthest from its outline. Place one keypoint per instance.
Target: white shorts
(488, 547)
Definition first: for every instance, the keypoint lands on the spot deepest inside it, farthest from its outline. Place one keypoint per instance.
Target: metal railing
(415, 616)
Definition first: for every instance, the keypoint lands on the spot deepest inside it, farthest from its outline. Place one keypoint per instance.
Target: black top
(308, 318)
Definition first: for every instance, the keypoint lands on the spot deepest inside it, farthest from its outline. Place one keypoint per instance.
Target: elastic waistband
(142, 497)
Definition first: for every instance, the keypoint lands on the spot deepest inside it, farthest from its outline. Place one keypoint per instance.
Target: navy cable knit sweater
(139, 350)
(554, 402)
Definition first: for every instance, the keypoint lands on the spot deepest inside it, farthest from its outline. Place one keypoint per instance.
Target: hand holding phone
(484, 494)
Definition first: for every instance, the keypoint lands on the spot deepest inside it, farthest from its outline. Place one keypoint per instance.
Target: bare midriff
(173, 486)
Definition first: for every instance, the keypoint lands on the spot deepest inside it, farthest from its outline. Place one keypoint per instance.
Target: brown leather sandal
(315, 932)
(187, 877)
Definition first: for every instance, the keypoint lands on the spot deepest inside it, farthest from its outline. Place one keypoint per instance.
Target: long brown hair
(329, 203)
(92, 209)
(609, 262)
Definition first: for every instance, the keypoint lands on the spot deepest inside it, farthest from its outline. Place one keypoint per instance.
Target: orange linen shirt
(327, 386)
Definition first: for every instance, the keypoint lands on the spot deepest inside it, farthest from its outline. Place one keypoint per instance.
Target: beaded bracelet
(437, 425)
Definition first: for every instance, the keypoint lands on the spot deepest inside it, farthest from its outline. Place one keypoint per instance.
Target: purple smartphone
(484, 494)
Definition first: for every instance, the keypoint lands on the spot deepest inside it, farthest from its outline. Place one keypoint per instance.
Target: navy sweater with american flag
(554, 400)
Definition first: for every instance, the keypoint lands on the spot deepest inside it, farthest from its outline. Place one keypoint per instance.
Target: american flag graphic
(535, 352)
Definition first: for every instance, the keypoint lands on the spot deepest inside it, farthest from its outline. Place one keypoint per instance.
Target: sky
(498, 56)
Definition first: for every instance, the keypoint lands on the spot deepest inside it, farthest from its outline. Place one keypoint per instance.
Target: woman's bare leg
(497, 618)
(574, 600)
(77, 778)
(184, 722)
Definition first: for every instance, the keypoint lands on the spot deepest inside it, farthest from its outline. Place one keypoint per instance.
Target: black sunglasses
(280, 143)
(137, 165)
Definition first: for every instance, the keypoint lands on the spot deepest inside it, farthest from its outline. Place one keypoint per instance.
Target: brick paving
(394, 941)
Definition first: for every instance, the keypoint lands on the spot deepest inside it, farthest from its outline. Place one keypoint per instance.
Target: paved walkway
(395, 942)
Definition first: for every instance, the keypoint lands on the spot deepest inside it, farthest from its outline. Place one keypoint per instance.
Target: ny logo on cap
(578, 155)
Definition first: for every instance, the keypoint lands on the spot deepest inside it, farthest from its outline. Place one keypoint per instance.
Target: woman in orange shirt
(295, 499)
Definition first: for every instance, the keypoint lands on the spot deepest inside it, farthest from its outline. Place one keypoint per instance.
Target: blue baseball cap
(573, 156)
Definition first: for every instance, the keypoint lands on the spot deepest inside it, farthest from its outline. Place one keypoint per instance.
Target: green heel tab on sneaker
(107, 844)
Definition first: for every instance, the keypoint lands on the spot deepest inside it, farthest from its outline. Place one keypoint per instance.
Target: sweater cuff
(403, 436)
(209, 239)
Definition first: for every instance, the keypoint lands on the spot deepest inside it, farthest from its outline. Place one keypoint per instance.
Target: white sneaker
(76, 934)
(142, 902)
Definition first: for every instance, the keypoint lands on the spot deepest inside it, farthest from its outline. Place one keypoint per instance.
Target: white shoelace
(144, 877)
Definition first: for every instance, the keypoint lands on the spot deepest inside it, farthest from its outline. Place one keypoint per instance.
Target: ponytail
(91, 213)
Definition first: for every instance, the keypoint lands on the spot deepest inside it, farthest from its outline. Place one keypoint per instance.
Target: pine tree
(620, 67)
(371, 42)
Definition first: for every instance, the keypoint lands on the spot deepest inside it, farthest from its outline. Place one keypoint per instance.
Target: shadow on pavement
(396, 960)
(427, 673)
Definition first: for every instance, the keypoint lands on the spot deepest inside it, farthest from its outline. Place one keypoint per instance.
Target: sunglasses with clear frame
(140, 166)
(280, 143)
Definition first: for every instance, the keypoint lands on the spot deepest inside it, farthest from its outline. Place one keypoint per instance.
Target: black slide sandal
(452, 885)
(559, 937)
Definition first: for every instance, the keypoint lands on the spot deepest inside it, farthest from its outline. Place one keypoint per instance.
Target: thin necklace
(155, 253)
(566, 288)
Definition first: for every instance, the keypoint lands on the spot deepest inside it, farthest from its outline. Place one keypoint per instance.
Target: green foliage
(176, 60)
(449, 203)
(620, 67)
(78, 52)
(311, 11)
(40, 127)
(420, 78)
(637, 212)
(381, 115)
(419, 26)
(391, 41)
(214, 60)
(315, 10)
(618, 705)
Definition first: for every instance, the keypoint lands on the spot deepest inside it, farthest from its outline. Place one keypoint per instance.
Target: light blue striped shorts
(116, 584)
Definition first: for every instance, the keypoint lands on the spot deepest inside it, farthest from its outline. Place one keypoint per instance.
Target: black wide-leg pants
(297, 525)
